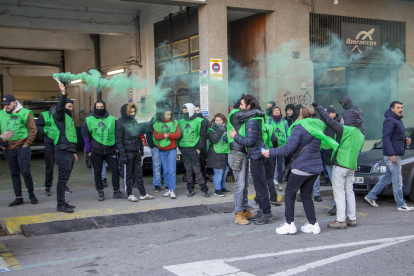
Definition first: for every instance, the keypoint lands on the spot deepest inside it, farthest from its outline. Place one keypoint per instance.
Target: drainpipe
(97, 49)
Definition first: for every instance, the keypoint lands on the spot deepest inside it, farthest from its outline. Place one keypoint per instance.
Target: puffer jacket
(327, 154)
(349, 104)
(253, 140)
(237, 121)
(216, 160)
(91, 145)
(310, 159)
(393, 135)
(127, 136)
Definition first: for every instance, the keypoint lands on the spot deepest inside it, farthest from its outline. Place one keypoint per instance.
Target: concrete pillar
(212, 20)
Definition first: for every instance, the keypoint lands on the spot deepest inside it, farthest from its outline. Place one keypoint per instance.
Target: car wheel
(411, 195)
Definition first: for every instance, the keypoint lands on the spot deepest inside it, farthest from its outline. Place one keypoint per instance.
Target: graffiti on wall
(304, 99)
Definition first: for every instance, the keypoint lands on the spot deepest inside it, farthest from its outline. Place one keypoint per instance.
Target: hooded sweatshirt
(31, 126)
(290, 120)
(349, 104)
(127, 134)
(90, 143)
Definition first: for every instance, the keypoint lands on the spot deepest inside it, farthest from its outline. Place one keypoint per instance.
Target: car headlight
(380, 169)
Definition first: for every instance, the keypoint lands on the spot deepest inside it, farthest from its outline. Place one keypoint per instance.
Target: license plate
(178, 157)
(359, 180)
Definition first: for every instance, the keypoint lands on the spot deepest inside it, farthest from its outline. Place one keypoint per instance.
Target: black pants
(133, 167)
(203, 165)
(257, 168)
(305, 184)
(113, 165)
(270, 171)
(50, 163)
(192, 164)
(19, 163)
(64, 162)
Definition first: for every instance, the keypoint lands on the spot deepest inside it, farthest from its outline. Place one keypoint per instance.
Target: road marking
(329, 208)
(179, 242)
(7, 260)
(48, 263)
(219, 267)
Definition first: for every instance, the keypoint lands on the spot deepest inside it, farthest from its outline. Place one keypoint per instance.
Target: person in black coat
(130, 149)
(253, 141)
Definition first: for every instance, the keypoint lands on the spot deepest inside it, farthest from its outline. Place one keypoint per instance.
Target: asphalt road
(382, 244)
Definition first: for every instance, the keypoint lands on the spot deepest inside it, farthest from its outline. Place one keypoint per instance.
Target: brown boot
(351, 223)
(240, 219)
(337, 225)
(247, 214)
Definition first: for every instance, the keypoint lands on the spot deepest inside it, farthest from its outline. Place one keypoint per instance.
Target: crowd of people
(297, 147)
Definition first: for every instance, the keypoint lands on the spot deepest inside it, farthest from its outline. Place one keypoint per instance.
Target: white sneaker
(286, 228)
(132, 198)
(167, 194)
(372, 202)
(275, 181)
(147, 196)
(406, 208)
(172, 195)
(309, 228)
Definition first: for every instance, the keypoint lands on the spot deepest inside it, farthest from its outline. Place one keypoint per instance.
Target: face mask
(67, 111)
(185, 115)
(132, 117)
(269, 111)
(100, 112)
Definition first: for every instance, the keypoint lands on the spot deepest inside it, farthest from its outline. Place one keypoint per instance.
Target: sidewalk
(84, 198)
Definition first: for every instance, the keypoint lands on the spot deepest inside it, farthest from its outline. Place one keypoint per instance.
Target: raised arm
(331, 123)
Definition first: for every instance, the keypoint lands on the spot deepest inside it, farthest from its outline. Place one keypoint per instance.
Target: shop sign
(361, 40)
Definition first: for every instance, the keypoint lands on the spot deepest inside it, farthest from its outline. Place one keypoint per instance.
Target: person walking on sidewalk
(18, 130)
(100, 146)
(65, 142)
(192, 141)
(251, 135)
(305, 140)
(166, 133)
(44, 129)
(239, 163)
(394, 139)
(130, 147)
(351, 140)
(217, 153)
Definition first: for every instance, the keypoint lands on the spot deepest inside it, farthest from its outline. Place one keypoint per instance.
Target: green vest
(220, 147)
(160, 127)
(279, 130)
(190, 132)
(48, 125)
(268, 137)
(153, 139)
(230, 126)
(351, 144)
(70, 130)
(265, 136)
(16, 122)
(102, 129)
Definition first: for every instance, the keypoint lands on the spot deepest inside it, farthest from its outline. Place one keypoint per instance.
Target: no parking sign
(216, 70)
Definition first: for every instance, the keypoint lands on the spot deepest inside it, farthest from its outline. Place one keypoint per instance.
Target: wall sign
(216, 69)
(204, 93)
(361, 40)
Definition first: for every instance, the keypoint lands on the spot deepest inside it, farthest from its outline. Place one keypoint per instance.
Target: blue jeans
(220, 176)
(279, 169)
(168, 160)
(393, 173)
(317, 187)
(241, 186)
(156, 167)
(329, 169)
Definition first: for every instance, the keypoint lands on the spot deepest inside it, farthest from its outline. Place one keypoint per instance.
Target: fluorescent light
(76, 81)
(116, 72)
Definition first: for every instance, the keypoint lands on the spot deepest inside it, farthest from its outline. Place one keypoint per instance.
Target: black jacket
(201, 145)
(351, 118)
(206, 122)
(327, 154)
(349, 104)
(150, 133)
(237, 121)
(216, 160)
(94, 146)
(393, 135)
(127, 134)
(59, 118)
(253, 140)
(294, 116)
(40, 124)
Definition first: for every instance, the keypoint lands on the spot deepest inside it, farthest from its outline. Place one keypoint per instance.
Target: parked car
(371, 168)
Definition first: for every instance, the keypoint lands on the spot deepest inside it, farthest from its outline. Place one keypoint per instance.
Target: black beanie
(330, 109)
